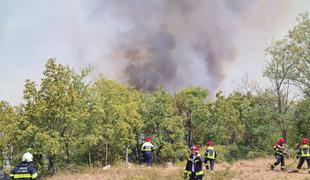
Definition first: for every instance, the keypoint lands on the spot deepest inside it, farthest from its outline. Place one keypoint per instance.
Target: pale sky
(32, 31)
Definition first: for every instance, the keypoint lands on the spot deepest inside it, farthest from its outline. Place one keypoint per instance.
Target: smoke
(176, 43)
(143, 43)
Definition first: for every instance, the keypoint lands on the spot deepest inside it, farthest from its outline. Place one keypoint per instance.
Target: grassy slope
(246, 169)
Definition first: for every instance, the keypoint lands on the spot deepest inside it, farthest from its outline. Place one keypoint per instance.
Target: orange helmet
(304, 141)
(148, 139)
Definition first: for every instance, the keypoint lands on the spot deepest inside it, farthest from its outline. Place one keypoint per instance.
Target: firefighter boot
(272, 166)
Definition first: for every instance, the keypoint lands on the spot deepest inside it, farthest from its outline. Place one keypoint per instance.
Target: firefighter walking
(303, 155)
(210, 155)
(193, 169)
(279, 154)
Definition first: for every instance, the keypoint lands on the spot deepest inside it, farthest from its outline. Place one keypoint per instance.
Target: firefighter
(26, 170)
(193, 169)
(279, 154)
(210, 155)
(303, 155)
(147, 149)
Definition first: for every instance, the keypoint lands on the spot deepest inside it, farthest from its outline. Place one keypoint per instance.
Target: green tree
(164, 125)
(192, 104)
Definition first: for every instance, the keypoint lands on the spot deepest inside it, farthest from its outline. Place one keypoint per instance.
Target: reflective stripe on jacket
(210, 153)
(304, 150)
(197, 162)
(24, 171)
(147, 146)
(279, 150)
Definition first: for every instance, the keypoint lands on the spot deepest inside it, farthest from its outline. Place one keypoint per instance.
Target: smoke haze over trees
(173, 44)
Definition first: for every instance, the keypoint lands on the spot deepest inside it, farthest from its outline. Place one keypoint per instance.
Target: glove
(297, 157)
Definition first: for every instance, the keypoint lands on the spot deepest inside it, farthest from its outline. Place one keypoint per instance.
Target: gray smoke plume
(175, 43)
(169, 43)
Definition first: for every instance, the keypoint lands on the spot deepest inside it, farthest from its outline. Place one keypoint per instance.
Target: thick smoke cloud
(144, 43)
(175, 43)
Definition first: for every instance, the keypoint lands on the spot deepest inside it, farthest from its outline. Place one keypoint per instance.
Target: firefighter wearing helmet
(147, 149)
(279, 154)
(193, 169)
(303, 154)
(25, 170)
(210, 155)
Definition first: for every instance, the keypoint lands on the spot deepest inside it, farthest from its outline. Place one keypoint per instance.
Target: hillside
(240, 170)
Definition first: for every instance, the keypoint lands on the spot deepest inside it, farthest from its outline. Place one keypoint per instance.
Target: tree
(54, 112)
(193, 106)
(164, 125)
(8, 125)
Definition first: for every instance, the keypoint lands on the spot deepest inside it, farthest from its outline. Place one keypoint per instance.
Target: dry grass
(243, 170)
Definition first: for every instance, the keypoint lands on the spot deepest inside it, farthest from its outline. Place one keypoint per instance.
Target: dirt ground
(257, 169)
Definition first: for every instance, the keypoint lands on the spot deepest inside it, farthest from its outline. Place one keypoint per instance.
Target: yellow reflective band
(11, 175)
(34, 175)
(199, 173)
(188, 172)
(20, 176)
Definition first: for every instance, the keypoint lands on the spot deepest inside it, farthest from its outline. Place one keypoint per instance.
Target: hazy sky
(32, 31)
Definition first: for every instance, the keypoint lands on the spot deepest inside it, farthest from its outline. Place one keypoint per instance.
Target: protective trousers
(212, 162)
(148, 158)
(301, 162)
(280, 159)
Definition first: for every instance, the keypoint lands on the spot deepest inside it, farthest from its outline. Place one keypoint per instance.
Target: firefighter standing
(25, 170)
(193, 169)
(279, 154)
(210, 155)
(147, 149)
(303, 155)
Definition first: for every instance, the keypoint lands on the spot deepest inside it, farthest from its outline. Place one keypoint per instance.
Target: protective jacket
(304, 151)
(147, 146)
(279, 149)
(210, 153)
(24, 171)
(194, 166)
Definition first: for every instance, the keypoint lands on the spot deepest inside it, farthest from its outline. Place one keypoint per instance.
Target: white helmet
(27, 157)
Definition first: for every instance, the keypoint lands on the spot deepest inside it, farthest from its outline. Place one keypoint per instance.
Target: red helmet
(195, 148)
(281, 140)
(148, 139)
(209, 143)
(304, 141)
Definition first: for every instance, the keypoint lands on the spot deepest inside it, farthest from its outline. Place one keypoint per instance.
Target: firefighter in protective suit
(210, 155)
(193, 169)
(25, 170)
(303, 155)
(279, 154)
(147, 149)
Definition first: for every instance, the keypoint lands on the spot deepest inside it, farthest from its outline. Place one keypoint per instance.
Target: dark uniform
(147, 149)
(210, 155)
(279, 154)
(304, 155)
(24, 171)
(193, 169)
